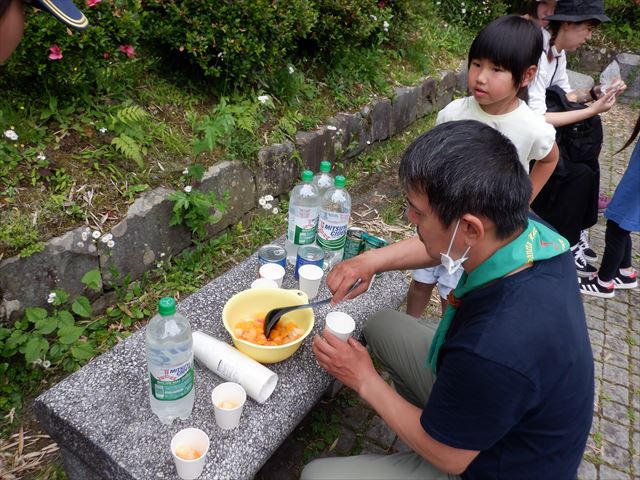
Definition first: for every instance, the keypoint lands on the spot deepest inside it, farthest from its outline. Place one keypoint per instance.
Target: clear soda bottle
(333, 222)
(304, 207)
(324, 180)
(169, 350)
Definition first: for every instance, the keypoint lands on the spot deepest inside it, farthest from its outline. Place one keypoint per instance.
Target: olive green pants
(401, 343)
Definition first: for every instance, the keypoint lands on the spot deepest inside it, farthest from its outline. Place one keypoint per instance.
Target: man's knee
(377, 324)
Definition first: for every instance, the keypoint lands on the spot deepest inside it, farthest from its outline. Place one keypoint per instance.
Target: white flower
(464, 10)
(263, 98)
(80, 244)
(374, 17)
(262, 201)
(46, 364)
(275, 210)
(368, 142)
(106, 237)
(385, 26)
(159, 264)
(52, 296)
(37, 361)
(41, 157)
(103, 130)
(221, 55)
(87, 229)
(188, 189)
(111, 244)
(268, 198)
(162, 254)
(268, 206)
(84, 236)
(11, 135)
(291, 69)
(185, 171)
(95, 234)
(332, 128)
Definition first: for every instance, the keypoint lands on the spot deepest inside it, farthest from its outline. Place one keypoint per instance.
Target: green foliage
(625, 24)
(130, 125)
(17, 233)
(474, 14)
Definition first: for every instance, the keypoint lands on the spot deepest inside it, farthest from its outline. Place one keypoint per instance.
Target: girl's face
(11, 29)
(492, 86)
(545, 9)
(572, 35)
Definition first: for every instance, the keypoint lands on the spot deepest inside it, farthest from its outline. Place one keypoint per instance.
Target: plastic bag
(609, 76)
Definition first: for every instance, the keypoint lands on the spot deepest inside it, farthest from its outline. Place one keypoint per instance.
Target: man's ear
(529, 75)
(472, 228)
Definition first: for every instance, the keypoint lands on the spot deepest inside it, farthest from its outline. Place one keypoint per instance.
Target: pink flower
(56, 53)
(128, 50)
(93, 3)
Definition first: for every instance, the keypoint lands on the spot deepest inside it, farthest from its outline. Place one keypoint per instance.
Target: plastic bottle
(324, 180)
(169, 349)
(304, 207)
(333, 222)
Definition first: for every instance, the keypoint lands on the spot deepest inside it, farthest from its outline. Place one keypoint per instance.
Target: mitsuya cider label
(171, 383)
(332, 229)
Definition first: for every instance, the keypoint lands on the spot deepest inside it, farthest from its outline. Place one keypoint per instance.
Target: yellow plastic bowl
(259, 301)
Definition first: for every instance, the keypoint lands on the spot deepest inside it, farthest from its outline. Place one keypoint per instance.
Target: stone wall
(144, 236)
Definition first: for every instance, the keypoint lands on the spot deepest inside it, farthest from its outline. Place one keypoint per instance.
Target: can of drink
(372, 242)
(309, 255)
(354, 244)
(272, 254)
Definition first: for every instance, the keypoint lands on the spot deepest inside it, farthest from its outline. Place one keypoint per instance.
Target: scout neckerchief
(537, 242)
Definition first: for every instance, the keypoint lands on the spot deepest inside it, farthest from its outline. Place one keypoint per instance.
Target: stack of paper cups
(233, 365)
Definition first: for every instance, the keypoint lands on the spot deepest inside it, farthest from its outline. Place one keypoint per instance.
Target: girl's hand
(605, 102)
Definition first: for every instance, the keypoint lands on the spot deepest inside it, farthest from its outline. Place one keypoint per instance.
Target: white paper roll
(234, 366)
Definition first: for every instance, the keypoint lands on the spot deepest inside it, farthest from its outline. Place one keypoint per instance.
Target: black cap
(65, 11)
(579, 11)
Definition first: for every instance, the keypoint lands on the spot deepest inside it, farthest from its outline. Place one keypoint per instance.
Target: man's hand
(345, 274)
(349, 361)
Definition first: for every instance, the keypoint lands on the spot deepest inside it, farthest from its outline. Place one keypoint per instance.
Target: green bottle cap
(340, 181)
(325, 166)
(307, 176)
(167, 306)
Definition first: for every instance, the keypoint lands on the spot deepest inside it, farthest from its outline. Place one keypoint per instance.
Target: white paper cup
(228, 417)
(191, 438)
(340, 324)
(310, 278)
(272, 271)
(264, 283)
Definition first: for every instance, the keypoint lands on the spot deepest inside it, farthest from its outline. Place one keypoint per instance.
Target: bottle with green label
(169, 350)
(332, 224)
(304, 207)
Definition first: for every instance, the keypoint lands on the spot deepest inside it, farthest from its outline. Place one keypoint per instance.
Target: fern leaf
(129, 148)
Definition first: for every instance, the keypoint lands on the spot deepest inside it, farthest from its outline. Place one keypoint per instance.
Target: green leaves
(93, 280)
(34, 349)
(68, 335)
(193, 209)
(82, 307)
(82, 351)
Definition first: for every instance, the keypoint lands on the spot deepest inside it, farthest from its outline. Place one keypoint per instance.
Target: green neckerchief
(537, 242)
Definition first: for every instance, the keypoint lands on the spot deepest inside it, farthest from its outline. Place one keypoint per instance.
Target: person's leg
(418, 297)
(401, 343)
(626, 276)
(399, 466)
(615, 246)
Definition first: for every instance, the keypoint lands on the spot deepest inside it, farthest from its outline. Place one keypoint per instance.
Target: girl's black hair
(4, 4)
(510, 42)
(532, 9)
(554, 29)
(633, 136)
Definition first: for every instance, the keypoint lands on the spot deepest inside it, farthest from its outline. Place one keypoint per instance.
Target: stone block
(445, 88)
(380, 433)
(461, 78)
(314, 147)
(587, 471)
(403, 108)
(147, 235)
(614, 455)
(590, 60)
(579, 80)
(351, 135)
(630, 73)
(234, 181)
(369, 448)
(27, 282)
(276, 170)
(427, 98)
(356, 417)
(608, 473)
(346, 441)
(379, 119)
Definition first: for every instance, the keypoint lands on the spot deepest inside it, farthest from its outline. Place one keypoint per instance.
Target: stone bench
(101, 419)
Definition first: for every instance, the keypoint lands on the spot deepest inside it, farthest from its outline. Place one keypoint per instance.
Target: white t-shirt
(529, 132)
(549, 73)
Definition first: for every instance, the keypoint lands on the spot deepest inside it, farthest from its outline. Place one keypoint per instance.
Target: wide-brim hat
(579, 11)
(65, 11)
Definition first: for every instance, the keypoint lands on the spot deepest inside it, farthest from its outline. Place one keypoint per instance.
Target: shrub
(625, 23)
(91, 60)
(229, 40)
(475, 14)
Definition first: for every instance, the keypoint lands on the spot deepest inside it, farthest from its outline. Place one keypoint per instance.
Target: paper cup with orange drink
(189, 448)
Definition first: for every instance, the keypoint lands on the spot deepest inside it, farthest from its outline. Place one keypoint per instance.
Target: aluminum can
(354, 245)
(272, 254)
(372, 242)
(309, 255)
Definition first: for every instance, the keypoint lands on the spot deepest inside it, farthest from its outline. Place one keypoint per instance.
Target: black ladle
(275, 314)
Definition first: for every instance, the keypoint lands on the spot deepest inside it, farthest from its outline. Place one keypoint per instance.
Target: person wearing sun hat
(12, 20)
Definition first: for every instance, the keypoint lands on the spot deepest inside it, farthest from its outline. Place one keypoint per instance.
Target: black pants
(617, 251)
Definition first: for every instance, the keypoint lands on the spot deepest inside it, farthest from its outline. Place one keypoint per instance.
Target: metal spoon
(275, 314)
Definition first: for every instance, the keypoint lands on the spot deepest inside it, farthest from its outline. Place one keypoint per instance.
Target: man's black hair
(510, 42)
(469, 167)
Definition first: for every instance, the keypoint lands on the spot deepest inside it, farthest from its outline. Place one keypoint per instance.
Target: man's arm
(542, 170)
(351, 364)
(406, 254)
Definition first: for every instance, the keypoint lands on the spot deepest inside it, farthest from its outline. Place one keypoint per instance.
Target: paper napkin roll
(234, 366)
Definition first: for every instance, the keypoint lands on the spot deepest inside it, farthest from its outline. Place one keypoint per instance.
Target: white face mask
(449, 263)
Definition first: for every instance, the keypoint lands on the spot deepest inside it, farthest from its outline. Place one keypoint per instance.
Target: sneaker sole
(585, 274)
(626, 286)
(598, 294)
(591, 260)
